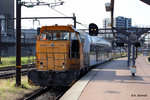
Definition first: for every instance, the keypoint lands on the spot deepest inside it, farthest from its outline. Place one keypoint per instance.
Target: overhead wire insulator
(29, 6)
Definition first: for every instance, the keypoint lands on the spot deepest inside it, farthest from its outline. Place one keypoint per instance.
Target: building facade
(122, 22)
(6, 11)
(119, 22)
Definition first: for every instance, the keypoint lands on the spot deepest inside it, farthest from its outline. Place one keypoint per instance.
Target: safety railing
(31, 58)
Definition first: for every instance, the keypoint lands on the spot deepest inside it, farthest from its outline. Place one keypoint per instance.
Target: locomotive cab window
(73, 36)
(54, 35)
(43, 37)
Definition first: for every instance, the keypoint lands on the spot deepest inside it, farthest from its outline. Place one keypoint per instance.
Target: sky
(87, 11)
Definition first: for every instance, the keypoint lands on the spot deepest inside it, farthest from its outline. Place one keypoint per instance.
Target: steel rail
(11, 75)
(14, 67)
(37, 94)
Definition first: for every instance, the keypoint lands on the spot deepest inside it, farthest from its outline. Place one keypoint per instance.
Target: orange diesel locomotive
(64, 53)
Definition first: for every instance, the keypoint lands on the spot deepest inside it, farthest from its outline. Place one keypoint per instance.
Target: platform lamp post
(110, 8)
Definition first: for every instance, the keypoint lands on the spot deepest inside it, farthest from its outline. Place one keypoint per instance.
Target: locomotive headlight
(63, 65)
(41, 65)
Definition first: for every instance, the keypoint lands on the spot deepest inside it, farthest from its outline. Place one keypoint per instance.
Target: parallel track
(9, 72)
(11, 75)
(14, 67)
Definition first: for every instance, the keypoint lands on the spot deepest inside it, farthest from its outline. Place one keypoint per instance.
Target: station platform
(113, 81)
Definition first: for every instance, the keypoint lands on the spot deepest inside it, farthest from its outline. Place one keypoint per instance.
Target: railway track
(9, 72)
(49, 93)
(14, 67)
(46, 93)
(11, 75)
(36, 94)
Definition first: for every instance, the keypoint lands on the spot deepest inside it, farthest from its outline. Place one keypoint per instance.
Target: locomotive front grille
(56, 61)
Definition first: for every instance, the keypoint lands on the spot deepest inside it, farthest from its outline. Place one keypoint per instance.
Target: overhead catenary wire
(31, 2)
(82, 24)
(67, 16)
(59, 12)
(53, 8)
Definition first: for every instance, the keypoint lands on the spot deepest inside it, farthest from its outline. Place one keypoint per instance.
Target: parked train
(63, 53)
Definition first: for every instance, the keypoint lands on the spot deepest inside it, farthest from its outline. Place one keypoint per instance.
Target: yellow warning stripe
(18, 66)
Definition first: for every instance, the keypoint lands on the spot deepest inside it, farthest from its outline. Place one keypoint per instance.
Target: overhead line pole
(18, 42)
(0, 42)
(74, 18)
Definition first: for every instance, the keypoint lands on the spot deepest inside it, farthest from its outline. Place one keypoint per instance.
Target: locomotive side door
(76, 50)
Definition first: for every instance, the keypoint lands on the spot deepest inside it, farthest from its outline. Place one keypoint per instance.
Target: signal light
(93, 29)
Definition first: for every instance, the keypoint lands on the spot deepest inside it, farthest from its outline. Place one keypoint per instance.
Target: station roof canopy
(146, 1)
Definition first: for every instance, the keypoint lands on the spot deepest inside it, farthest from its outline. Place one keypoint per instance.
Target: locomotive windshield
(53, 35)
(73, 36)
